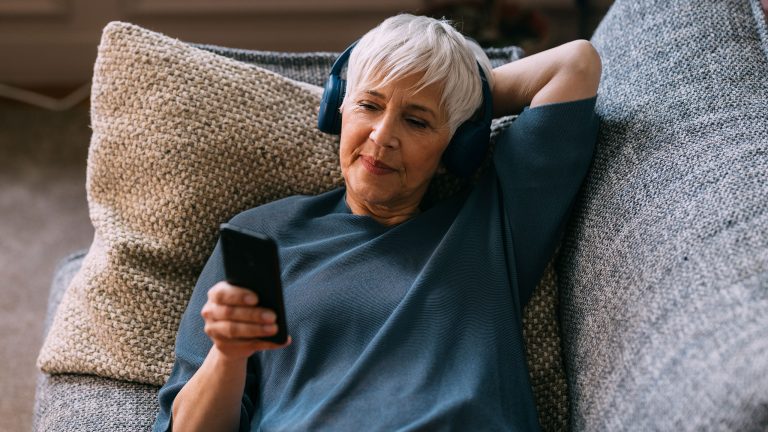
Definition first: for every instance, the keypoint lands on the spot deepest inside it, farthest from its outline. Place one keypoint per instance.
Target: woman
(402, 317)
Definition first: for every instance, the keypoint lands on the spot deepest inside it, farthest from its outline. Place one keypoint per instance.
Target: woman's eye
(366, 106)
(420, 124)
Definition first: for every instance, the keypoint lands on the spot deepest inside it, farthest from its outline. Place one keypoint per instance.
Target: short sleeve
(192, 346)
(541, 161)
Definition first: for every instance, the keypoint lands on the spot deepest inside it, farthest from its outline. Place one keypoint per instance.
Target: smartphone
(251, 261)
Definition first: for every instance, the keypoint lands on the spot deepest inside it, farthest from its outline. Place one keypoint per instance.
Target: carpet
(44, 216)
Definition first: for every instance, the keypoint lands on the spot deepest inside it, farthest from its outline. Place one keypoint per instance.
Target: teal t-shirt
(417, 326)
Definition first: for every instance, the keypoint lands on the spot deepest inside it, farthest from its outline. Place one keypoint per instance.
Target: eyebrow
(416, 107)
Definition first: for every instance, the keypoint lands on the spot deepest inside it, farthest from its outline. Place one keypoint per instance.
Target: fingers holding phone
(236, 323)
(251, 261)
(234, 312)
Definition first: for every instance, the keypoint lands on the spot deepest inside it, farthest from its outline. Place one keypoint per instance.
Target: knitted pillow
(184, 137)
(182, 140)
(664, 272)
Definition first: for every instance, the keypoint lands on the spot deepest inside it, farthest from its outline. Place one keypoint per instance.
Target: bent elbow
(584, 63)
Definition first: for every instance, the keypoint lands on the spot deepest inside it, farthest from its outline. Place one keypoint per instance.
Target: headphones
(468, 145)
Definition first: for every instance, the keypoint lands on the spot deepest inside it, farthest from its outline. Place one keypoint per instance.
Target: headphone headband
(338, 65)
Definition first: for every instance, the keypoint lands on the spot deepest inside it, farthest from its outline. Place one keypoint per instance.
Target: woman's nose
(384, 133)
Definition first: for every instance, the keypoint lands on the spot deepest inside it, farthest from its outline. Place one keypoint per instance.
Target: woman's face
(391, 143)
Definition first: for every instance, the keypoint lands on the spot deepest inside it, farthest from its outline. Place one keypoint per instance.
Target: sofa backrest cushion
(664, 271)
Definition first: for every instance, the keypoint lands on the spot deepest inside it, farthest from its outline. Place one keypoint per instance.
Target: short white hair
(405, 45)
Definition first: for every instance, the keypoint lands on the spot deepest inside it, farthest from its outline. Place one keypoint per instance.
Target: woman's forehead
(412, 82)
(409, 89)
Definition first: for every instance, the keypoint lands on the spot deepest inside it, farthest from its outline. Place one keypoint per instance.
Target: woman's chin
(372, 197)
(365, 179)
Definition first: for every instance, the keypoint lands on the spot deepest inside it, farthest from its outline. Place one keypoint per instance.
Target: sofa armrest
(73, 403)
(65, 270)
(79, 403)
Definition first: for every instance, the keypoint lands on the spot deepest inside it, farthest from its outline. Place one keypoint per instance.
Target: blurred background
(47, 51)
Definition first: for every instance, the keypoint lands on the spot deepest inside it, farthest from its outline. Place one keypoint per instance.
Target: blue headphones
(468, 145)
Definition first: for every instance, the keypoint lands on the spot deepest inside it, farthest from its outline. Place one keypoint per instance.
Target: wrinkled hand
(233, 321)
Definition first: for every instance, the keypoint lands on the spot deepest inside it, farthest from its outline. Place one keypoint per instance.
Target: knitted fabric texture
(664, 270)
(184, 137)
(182, 140)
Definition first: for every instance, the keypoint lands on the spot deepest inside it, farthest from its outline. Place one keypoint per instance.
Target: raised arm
(565, 73)
(542, 157)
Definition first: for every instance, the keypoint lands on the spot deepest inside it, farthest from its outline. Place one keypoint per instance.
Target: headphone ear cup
(329, 117)
(467, 148)
(342, 91)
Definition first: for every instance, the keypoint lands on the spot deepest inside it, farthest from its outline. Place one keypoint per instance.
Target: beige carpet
(43, 217)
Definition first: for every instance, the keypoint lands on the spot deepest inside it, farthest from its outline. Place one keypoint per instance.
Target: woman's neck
(385, 215)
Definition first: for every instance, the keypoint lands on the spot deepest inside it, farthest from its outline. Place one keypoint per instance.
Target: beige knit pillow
(183, 139)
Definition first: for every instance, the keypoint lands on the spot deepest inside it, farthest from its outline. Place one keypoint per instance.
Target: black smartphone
(251, 261)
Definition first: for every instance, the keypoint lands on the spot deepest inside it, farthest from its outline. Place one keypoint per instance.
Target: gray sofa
(663, 272)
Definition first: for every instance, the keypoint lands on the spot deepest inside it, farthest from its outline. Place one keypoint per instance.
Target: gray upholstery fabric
(664, 271)
(65, 270)
(80, 403)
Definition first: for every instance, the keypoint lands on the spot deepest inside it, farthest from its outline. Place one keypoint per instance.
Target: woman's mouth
(376, 167)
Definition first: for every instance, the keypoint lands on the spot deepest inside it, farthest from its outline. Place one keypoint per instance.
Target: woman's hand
(211, 399)
(233, 321)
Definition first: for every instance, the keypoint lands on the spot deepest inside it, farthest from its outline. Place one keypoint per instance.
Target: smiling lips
(376, 167)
